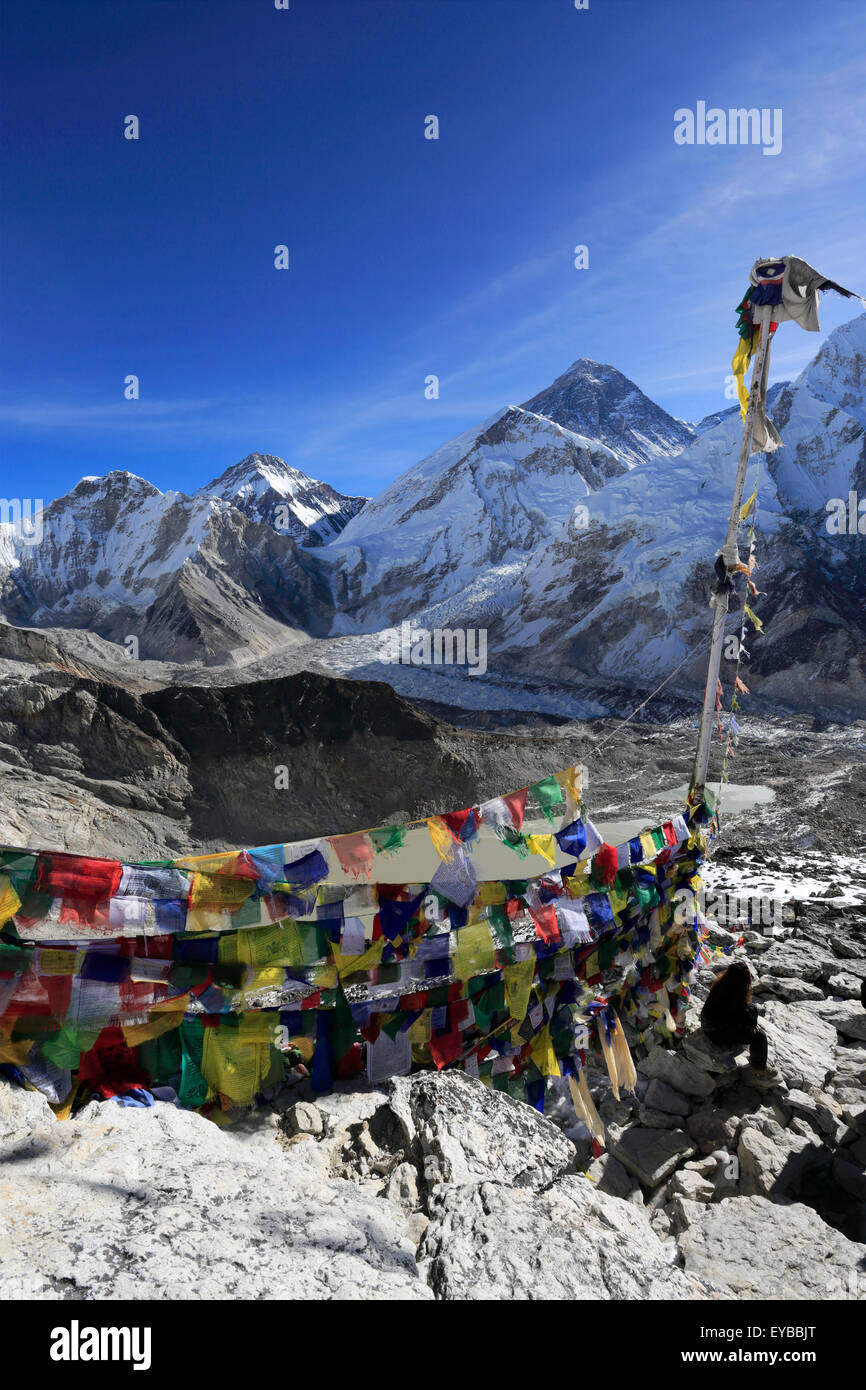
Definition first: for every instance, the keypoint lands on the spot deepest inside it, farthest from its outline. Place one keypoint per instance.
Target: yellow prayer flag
(257, 1027)
(352, 965)
(16, 1054)
(648, 847)
(584, 1107)
(219, 890)
(63, 1109)
(543, 1055)
(610, 1060)
(747, 506)
(578, 885)
(545, 845)
(618, 900)
(59, 962)
(443, 840)
(326, 976)
(419, 1033)
(269, 977)
(571, 781)
(518, 985)
(492, 893)
(9, 900)
(223, 862)
(475, 951)
(162, 1019)
(740, 362)
(232, 1067)
(753, 619)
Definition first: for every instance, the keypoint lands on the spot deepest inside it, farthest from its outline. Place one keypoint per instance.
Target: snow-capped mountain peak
(189, 577)
(255, 474)
(577, 529)
(837, 372)
(596, 400)
(465, 521)
(268, 489)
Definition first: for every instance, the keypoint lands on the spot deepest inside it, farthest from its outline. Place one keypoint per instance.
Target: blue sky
(408, 256)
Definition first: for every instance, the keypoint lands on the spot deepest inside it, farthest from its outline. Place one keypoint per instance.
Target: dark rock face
(98, 760)
(596, 400)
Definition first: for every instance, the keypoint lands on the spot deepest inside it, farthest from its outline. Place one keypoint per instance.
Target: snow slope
(267, 489)
(622, 599)
(456, 532)
(578, 530)
(189, 577)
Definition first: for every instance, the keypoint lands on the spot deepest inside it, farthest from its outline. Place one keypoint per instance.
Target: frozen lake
(736, 798)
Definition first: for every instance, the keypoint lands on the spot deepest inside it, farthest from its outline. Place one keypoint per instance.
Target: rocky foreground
(712, 1186)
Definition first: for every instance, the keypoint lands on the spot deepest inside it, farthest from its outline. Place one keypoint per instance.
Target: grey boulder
(773, 1160)
(156, 1204)
(652, 1154)
(489, 1242)
(762, 1249)
(664, 1064)
(802, 1044)
(462, 1132)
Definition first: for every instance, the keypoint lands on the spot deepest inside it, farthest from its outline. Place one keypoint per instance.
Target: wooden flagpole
(730, 558)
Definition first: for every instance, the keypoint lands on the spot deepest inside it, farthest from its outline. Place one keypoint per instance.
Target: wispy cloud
(642, 253)
(114, 415)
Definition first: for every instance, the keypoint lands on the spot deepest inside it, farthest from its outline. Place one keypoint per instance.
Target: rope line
(699, 647)
(693, 651)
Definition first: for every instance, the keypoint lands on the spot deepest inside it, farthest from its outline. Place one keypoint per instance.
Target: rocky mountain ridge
(97, 759)
(187, 578)
(245, 565)
(615, 591)
(584, 556)
(596, 401)
(268, 489)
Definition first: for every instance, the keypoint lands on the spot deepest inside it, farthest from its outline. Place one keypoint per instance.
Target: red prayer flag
(604, 864)
(516, 804)
(455, 820)
(69, 875)
(412, 1003)
(546, 925)
(446, 1048)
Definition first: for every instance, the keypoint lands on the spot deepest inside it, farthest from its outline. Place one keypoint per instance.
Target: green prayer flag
(514, 840)
(392, 1025)
(193, 1087)
(15, 959)
(606, 953)
(341, 1028)
(388, 838)
(548, 793)
(500, 927)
